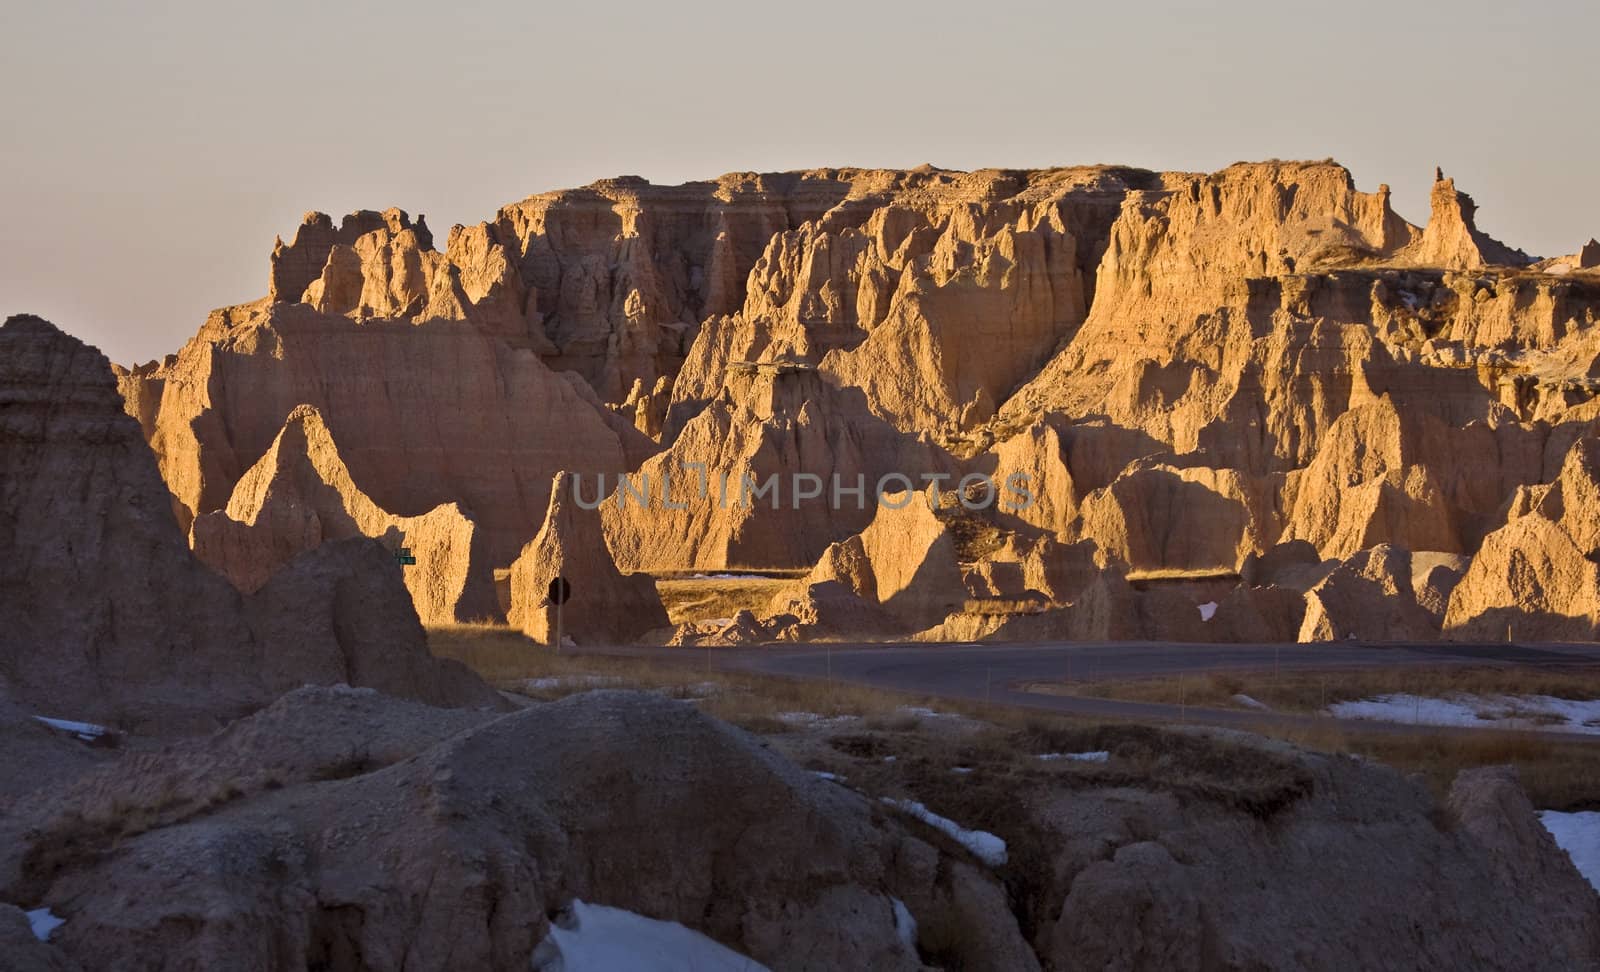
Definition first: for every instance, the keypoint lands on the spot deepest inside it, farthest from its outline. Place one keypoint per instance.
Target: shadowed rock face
(1186, 369)
(606, 607)
(107, 616)
(300, 495)
(451, 841)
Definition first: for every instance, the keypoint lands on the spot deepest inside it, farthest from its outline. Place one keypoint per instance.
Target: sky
(152, 151)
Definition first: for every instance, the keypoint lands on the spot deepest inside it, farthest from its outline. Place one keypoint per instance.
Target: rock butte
(1189, 371)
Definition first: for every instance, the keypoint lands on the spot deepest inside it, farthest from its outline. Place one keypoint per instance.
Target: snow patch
(1478, 711)
(985, 846)
(744, 577)
(597, 938)
(87, 731)
(1097, 756)
(572, 681)
(905, 926)
(825, 775)
(1208, 610)
(812, 719)
(43, 921)
(1249, 703)
(961, 769)
(1579, 835)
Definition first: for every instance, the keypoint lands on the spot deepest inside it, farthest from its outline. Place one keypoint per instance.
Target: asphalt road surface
(997, 673)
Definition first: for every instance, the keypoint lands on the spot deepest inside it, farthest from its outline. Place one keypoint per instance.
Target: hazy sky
(151, 151)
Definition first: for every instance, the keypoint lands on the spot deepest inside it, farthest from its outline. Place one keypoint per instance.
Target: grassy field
(1558, 774)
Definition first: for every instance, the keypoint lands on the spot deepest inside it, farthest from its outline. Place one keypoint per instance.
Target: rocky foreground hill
(1260, 388)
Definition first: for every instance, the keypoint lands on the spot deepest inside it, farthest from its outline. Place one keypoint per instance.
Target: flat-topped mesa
(1452, 239)
(295, 265)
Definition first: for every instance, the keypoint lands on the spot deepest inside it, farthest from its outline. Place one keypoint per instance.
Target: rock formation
(1150, 879)
(300, 494)
(606, 607)
(107, 616)
(1187, 369)
(903, 563)
(1536, 578)
(1368, 597)
(443, 844)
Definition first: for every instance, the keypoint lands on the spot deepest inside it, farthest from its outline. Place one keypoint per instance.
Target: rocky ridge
(1187, 370)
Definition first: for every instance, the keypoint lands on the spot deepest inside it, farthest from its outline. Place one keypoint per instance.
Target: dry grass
(1182, 574)
(1301, 690)
(513, 662)
(703, 598)
(1558, 774)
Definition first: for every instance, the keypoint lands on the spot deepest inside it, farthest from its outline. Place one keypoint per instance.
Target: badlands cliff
(1193, 374)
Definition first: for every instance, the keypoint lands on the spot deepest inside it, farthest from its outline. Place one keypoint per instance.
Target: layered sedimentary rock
(300, 494)
(606, 606)
(903, 564)
(1185, 368)
(778, 467)
(1538, 577)
(425, 415)
(1368, 597)
(106, 615)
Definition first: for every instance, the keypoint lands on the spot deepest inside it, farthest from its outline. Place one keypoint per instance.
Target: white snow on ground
(83, 730)
(572, 681)
(813, 719)
(1098, 756)
(1249, 703)
(825, 775)
(1478, 711)
(1207, 610)
(905, 925)
(730, 577)
(43, 922)
(1579, 835)
(606, 939)
(985, 846)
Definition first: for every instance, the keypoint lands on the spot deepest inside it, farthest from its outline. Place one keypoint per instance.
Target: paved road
(997, 672)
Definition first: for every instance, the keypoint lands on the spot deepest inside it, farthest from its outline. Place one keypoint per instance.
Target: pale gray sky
(152, 151)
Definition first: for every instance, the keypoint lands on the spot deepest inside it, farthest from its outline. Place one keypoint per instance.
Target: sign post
(560, 591)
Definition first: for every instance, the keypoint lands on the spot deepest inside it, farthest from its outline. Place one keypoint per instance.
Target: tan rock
(1535, 578)
(606, 606)
(1452, 238)
(705, 504)
(1589, 256)
(107, 617)
(904, 562)
(1368, 597)
(1165, 518)
(416, 409)
(300, 494)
